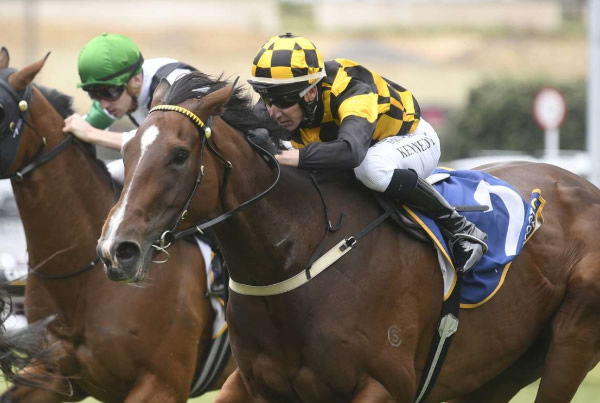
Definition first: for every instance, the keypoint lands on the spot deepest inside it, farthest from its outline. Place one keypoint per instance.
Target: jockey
(120, 82)
(343, 115)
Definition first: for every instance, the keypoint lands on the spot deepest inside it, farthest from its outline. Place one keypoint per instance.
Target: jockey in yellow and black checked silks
(354, 104)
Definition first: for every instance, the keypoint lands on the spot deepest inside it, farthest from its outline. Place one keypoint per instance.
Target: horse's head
(15, 102)
(167, 163)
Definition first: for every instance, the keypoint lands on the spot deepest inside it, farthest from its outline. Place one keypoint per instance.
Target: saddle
(494, 207)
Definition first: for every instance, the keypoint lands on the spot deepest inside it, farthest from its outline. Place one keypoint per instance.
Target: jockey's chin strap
(170, 236)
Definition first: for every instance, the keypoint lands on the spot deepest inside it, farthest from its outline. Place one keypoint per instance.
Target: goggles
(281, 101)
(106, 92)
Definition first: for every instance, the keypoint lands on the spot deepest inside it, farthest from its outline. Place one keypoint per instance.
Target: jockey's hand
(289, 157)
(80, 128)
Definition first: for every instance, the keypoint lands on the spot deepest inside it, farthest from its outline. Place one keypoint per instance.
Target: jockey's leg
(465, 241)
(396, 165)
(117, 170)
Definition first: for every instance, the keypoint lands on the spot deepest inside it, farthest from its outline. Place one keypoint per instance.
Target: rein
(170, 236)
(314, 269)
(89, 266)
(41, 159)
(315, 265)
(15, 131)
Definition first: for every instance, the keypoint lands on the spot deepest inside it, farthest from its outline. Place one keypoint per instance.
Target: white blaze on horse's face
(148, 138)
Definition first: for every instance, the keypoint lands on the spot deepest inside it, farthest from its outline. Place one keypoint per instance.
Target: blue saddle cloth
(509, 222)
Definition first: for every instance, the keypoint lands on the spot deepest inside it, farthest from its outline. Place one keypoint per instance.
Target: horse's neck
(62, 203)
(273, 239)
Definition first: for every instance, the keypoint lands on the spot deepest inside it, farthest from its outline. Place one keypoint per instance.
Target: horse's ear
(158, 97)
(4, 58)
(215, 102)
(25, 76)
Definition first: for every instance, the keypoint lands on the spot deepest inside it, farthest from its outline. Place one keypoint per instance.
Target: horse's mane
(239, 112)
(62, 103)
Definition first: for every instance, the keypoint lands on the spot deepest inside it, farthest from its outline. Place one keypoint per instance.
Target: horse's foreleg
(26, 394)
(43, 387)
(575, 341)
(234, 391)
(152, 389)
(372, 391)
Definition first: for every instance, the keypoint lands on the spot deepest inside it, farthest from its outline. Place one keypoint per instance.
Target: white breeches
(419, 151)
(117, 170)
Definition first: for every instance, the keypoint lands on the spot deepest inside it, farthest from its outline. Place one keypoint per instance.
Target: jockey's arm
(347, 151)
(80, 128)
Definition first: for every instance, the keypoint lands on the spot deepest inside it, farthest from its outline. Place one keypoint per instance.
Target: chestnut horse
(361, 330)
(110, 340)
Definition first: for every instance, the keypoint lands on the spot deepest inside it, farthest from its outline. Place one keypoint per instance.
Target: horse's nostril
(127, 252)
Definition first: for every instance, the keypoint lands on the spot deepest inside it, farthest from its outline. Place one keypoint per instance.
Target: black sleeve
(347, 151)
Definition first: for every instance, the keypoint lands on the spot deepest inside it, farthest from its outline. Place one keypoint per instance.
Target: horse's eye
(180, 156)
(2, 113)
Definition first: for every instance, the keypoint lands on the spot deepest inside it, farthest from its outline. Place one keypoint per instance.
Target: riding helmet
(286, 64)
(109, 59)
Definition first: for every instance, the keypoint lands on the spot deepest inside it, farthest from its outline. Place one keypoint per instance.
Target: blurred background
(475, 66)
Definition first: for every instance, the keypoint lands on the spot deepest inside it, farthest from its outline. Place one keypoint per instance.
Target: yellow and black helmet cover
(286, 63)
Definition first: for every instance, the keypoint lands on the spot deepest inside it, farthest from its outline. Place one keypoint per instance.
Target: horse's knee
(25, 394)
(372, 391)
(153, 389)
(234, 390)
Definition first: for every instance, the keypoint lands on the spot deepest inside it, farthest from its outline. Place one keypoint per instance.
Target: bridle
(17, 118)
(316, 263)
(205, 133)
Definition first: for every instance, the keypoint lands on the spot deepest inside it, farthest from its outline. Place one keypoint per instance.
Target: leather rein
(205, 132)
(317, 262)
(38, 160)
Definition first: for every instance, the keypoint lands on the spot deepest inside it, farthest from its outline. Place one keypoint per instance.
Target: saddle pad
(217, 303)
(508, 220)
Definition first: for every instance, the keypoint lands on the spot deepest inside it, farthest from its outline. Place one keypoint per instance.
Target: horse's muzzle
(121, 259)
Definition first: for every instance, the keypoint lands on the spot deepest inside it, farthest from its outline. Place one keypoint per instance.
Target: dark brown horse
(360, 331)
(111, 341)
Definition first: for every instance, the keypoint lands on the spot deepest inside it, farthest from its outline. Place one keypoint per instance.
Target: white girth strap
(322, 263)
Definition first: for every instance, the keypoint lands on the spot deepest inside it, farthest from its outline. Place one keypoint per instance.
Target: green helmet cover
(109, 59)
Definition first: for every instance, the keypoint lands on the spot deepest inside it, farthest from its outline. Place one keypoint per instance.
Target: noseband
(205, 132)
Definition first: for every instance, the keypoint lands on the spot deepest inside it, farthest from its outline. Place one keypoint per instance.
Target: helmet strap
(133, 91)
(309, 109)
(134, 85)
(307, 89)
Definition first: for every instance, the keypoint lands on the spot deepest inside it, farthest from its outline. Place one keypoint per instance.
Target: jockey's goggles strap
(191, 115)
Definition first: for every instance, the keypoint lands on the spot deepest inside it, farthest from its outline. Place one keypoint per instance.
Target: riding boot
(465, 241)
